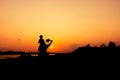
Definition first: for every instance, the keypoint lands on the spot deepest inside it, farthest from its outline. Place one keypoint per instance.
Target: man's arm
(49, 43)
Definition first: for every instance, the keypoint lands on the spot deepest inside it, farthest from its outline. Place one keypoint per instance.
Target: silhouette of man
(43, 46)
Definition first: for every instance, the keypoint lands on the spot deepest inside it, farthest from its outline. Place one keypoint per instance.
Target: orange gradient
(69, 23)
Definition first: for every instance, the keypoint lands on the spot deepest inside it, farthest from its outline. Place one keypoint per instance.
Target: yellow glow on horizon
(52, 47)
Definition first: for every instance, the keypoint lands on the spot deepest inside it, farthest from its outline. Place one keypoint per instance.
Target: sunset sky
(69, 23)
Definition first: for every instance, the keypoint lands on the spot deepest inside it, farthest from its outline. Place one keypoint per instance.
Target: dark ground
(81, 56)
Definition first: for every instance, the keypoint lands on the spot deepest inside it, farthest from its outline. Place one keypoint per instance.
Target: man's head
(41, 36)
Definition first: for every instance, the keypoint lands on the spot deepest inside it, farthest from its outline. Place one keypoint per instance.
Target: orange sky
(70, 23)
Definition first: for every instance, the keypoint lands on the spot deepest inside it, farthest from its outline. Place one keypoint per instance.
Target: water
(12, 56)
(8, 56)
(18, 55)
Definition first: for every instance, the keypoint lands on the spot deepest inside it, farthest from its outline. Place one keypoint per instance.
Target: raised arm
(49, 43)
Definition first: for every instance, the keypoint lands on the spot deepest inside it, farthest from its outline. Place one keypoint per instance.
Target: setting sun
(52, 47)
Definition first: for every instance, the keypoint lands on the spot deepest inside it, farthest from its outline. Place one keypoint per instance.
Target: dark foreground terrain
(81, 56)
